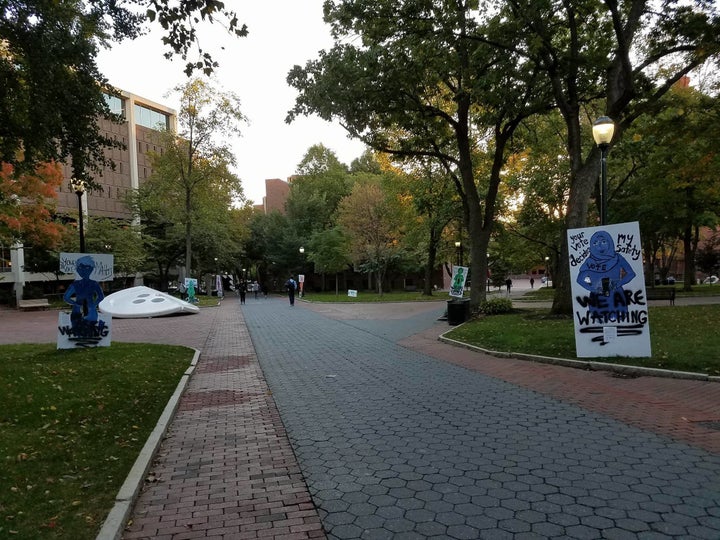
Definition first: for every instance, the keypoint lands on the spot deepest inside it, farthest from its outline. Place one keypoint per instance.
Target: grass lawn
(683, 338)
(72, 423)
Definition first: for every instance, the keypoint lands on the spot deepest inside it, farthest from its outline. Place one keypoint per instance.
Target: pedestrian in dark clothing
(243, 291)
(291, 285)
(532, 283)
(508, 284)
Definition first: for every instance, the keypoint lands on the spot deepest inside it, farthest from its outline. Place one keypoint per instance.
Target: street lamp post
(603, 130)
(458, 249)
(302, 264)
(547, 271)
(78, 187)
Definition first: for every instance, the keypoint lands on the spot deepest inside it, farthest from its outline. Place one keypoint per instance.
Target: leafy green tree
(371, 221)
(427, 81)
(329, 252)
(435, 205)
(674, 194)
(538, 187)
(195, 164)
(707, 258)
(627, 53)
(123, 240)
(316, 190)
(51, 91)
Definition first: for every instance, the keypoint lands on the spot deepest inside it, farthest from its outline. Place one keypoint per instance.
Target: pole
(80, 222)
(603, 184)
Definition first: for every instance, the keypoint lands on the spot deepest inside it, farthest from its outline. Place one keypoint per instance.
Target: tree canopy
(454, 81)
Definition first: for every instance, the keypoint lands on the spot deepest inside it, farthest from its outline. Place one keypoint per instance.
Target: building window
(116, 104)
(151, 119)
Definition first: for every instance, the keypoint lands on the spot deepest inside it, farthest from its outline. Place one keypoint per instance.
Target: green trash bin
(458, 311)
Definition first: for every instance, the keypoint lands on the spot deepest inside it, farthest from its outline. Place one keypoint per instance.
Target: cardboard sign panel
(608, 289)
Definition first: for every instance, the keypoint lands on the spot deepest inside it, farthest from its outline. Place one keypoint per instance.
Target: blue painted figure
(84, 295)
(604, 273)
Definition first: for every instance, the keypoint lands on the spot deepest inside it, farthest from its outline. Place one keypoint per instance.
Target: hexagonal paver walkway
(396, 444)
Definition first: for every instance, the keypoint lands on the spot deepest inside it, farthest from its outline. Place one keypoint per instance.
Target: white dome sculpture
(141, 302)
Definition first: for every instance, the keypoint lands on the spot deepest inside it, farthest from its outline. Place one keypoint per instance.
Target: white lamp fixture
(603, 130)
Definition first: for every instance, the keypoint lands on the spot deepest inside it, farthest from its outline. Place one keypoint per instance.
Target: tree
(435, 202)
(329, 252)
(195, 162)
(51, 91)
(371, 222)
(627, 53)
(674, 194)
(320, 183)
(123, 240)
(27, 204)
(539, 188)
(424, 84)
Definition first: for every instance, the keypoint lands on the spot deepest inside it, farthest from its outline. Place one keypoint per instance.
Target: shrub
(495, 306)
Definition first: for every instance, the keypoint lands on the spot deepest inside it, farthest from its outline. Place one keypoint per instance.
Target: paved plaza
(334, 421)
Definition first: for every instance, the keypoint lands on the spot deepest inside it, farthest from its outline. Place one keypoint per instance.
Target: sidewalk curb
(114, 524)
(622, 369)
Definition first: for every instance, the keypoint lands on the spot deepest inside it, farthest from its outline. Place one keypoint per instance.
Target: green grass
(683, 338)
(72, 423)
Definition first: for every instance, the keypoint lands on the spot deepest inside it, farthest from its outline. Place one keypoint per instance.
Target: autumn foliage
(27, 203)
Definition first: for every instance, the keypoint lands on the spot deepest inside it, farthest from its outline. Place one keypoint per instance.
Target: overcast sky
(282, 33)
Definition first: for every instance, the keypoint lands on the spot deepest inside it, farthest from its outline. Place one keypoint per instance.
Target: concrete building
(139, 133)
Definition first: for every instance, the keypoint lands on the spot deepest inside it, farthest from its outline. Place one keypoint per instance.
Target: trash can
(458, 311)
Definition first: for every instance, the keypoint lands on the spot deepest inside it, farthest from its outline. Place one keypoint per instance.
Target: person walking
(291, 285)
(508, 285)
(532, 283)
(243, 291)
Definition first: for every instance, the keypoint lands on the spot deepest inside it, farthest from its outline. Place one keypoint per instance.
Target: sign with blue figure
(608, 290)
(84, 325)
(457, 286)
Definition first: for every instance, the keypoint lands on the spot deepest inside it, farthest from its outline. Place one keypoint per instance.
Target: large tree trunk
(689, 247)
(432, 255)
(581, 187)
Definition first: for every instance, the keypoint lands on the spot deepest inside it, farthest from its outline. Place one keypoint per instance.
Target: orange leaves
(27, 203)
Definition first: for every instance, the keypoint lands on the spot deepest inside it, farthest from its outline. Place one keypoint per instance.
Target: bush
(495, 306)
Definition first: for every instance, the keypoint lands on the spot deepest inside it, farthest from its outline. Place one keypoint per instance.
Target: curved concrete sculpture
(141, 302)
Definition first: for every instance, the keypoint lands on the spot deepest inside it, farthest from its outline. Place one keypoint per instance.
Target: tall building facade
(139, 133)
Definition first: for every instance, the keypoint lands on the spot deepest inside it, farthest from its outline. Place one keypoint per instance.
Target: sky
(282, 33)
